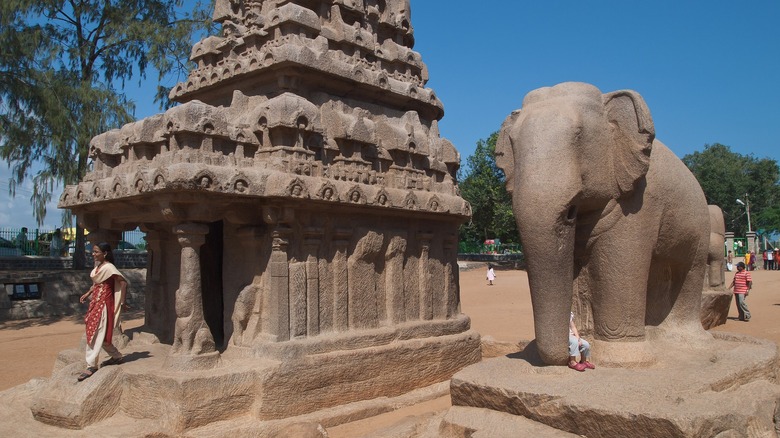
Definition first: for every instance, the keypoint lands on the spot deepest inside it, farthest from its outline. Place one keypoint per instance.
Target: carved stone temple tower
(301, 213)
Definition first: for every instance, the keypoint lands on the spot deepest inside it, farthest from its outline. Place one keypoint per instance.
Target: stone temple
(301, 212)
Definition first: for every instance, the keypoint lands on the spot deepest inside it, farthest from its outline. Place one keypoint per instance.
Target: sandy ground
(28, 348)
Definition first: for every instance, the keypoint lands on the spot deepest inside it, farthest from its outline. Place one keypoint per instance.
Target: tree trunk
(79, 258)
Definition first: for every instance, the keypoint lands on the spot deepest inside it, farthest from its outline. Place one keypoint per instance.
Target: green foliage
(483, 185)
(62, 68)
(726, 176)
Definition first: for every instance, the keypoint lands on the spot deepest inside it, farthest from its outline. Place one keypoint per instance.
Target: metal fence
(488, 248)
(38, 241)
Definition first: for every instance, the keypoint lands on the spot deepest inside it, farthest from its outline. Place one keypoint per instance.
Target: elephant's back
(670, 173)
(678, 199)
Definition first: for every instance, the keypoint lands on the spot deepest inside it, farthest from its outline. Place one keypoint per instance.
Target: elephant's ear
(632, 134)
(505, 155)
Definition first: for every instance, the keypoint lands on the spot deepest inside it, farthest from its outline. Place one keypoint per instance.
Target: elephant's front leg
(617, 284)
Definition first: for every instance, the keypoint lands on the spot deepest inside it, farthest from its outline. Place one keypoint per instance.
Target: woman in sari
(107, 296)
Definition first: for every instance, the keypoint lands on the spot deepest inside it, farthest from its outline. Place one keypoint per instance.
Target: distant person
(770, 256)
(21, 240)
(742, 283)
(765, 256)
(777, 258)
(730, 261)
(752, 260)
(107, 296)
(55, 248)
(747, 260)
(578, 345)
(491, 275)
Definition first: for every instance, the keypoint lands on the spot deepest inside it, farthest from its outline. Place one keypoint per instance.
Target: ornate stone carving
(298, 197)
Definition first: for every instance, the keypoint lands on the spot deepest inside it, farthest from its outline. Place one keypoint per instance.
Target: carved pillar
(192, 334)
(451, 274)
(155, 296)
(340, 280)
(394, 279)
(297, 284)
(153, 255)
(276, 311)
(426, 292)
(313, 238)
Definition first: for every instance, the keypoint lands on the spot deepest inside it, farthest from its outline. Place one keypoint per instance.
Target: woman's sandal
(87, 374)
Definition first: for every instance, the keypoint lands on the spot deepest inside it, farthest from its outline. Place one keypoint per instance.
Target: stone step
(466, 422)
(729, 387)
(65, 402)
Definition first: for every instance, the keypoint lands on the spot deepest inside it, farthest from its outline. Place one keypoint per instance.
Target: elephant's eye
(578, 131)
(572, 213)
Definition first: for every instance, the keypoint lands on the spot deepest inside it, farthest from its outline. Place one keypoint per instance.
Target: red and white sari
(104, 311)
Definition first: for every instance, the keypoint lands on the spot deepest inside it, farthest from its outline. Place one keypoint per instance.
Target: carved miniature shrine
(300, 206)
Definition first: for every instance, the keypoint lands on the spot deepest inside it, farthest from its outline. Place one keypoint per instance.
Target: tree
(483, 185)
(726, 176)
(62, 69)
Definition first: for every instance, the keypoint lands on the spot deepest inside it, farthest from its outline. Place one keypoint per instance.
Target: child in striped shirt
(742, 283)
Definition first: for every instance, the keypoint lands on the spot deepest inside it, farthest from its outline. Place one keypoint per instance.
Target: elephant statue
(716, 298)
(614, 226)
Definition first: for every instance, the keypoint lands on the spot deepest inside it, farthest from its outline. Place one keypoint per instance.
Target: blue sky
(708, 70)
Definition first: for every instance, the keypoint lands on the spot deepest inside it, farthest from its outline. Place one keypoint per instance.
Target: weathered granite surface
(614, 227)
(727, 388)
(300, 208)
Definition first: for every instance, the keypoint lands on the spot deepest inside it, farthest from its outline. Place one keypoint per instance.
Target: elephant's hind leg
(678, 310)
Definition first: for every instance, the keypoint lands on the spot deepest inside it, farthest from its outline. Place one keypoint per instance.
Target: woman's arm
(121, 285)
(87, 294)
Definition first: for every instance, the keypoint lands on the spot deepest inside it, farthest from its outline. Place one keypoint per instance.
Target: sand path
(29, 348)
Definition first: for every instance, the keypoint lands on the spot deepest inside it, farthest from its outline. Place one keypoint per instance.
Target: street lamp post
(747, 209)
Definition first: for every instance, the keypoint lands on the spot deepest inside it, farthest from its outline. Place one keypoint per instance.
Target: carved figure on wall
(296, 190)
(241, 186)
(242, 311)
(607, 215)
(410, 202)
(327, 194)
(355, 196)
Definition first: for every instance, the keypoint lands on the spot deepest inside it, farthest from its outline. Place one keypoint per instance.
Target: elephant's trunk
(550, 258)
(547, 191)
(546, 219)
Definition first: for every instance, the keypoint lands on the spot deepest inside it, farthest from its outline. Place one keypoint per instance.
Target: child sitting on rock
(576, 343)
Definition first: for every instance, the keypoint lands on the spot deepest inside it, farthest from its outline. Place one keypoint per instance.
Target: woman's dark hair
(106, 248)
